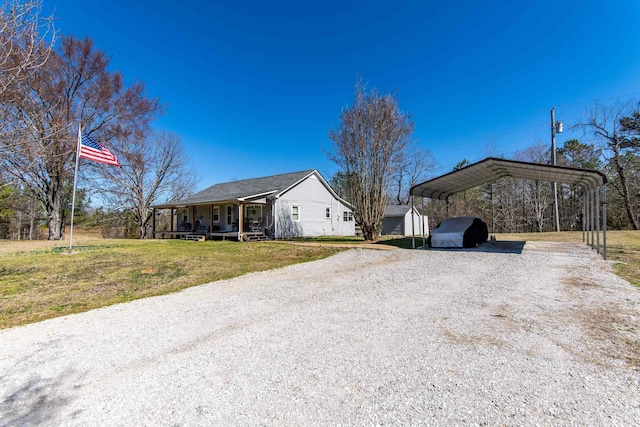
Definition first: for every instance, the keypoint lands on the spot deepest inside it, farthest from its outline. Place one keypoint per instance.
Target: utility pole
(555, 127)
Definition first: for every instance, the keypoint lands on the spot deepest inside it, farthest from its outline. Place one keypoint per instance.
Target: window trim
(327, 212)
(297, 213)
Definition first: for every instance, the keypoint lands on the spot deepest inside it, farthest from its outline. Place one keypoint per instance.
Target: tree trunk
(144, 223)
(368, 232)
(56, 222)
(54, 225)
(624, 186)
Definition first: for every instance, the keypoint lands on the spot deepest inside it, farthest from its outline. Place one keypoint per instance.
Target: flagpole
(75, 177)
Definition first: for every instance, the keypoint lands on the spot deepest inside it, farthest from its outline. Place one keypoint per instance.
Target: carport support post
(588, 217)
(597, 191)
(593, 217)
(413, 233)
(584, 216)
(587, 214)
(424, 232)
(604, 221)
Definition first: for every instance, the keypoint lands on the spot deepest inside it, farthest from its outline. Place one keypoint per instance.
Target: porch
(229, 220)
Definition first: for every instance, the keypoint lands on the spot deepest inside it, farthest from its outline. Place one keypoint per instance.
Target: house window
(347, 216)
(327, 213)
(216, 214)
(229, 215)
(295, 213)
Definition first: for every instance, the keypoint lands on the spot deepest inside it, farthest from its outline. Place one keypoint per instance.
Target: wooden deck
(217, 235)
(224, 235)
(194, 237)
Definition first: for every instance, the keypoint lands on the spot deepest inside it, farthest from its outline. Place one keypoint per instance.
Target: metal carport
(491, 169)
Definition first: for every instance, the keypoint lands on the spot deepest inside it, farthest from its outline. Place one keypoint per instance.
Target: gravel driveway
(548, 336)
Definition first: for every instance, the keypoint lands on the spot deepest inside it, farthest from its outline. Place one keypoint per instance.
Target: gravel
(540, 335)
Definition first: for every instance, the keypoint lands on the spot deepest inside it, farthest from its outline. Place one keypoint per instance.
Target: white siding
(417, 224)
(312, 198)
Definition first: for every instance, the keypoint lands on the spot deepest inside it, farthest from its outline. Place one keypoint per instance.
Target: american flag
(92, 150)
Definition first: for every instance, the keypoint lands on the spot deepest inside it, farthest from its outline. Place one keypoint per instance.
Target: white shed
(397, 221)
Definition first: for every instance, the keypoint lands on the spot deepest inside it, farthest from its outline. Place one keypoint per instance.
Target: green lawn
(38, 281)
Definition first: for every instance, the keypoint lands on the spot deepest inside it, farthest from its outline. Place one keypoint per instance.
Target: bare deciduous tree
(575, 154)
(153, 168)
(411, 166)
(372, 133)
(26, 39)
(536, 196)
(609, 125)
(72, 87)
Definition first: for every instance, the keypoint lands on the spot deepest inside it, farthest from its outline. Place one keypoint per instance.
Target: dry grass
(614, 328)
(623, 247)
(40, 280)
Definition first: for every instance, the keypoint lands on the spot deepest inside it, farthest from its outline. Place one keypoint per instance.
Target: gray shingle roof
(396, 210)
(242, 189)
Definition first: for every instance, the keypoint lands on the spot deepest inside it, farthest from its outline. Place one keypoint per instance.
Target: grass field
(41, 279)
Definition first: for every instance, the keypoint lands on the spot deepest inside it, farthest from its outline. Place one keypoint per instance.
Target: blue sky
(254, 87)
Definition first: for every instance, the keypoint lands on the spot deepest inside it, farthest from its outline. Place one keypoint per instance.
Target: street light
(556, 127)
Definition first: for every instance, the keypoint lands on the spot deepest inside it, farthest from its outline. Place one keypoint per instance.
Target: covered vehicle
(459, 232)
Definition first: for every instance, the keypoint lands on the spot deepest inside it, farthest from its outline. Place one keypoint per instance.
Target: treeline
(52, 85)
(380, 161)
(517, 205)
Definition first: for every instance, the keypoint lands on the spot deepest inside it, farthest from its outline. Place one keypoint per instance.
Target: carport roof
(491, 169)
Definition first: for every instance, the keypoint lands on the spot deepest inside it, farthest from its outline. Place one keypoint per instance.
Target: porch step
(193, 237)
(255, 238)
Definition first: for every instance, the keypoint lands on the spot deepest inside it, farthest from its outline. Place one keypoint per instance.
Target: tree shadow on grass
(402, 242)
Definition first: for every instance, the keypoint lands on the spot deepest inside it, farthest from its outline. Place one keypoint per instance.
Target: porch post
(272, 217)
(153, 223)
(240, 220)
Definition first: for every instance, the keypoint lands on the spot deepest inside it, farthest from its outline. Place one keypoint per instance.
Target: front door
(232, 225)
(254, 216)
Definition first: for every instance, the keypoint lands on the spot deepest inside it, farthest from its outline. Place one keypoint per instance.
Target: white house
(397, 221)
(298, 204)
